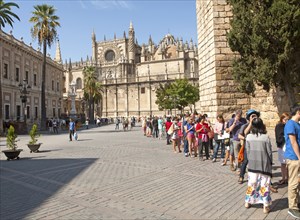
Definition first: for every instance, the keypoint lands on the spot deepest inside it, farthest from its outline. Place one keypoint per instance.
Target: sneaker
(186, 154)
(241, 180)
(214, 160)
(232, 167)
(295, 213)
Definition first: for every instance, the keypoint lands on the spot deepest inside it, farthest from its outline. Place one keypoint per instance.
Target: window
(53, 112)
(36, 112)
(6, 109)
(5, 71)
(52, 85)
(27, 76)
(143, 90)
(57, 86)
(110, 55)
(79, 83)
(34, 79)
(18, 112)
(58, 112)
(17, 74)
(28, 112)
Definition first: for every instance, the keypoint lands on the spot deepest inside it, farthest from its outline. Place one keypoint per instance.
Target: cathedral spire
(131, 26)
(93, 36)
(150, 42)
(58, 53)
(115, 36)
(124, 35)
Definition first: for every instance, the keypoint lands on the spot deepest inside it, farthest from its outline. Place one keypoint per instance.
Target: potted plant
(33, 146)
(12, 151)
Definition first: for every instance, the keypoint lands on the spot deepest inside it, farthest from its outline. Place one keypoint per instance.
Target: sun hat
(251, 112)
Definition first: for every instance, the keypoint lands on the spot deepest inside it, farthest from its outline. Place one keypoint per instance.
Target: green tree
(266, 34)
(6, 16)
(92, 88)
(44, 29)
(176, 95)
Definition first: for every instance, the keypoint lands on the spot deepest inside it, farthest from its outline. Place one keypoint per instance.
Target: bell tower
(131, 44)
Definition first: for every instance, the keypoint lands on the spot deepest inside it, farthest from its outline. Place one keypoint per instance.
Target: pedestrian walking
(72, 129)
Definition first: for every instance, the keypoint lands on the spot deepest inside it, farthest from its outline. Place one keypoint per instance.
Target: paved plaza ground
(110, 174)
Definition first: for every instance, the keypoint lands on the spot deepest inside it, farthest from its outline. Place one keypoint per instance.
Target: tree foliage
(92, 88)
(266, 34)
(6, 15)
(44, 27)
(176, 95)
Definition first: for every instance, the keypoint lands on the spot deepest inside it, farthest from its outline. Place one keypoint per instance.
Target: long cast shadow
(26, 184)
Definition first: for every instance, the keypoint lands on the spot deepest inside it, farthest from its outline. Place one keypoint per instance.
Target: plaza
(110, 174)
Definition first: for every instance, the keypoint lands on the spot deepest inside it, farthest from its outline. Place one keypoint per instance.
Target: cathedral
(130, 73)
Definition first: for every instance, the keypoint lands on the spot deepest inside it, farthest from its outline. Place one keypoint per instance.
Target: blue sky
(79, 18)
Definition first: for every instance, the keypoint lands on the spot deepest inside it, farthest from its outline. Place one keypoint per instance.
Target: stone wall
(218, 91)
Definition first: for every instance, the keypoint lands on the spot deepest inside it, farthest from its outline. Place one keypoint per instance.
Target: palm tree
(44, 29)
(6, 16)
(92, 88)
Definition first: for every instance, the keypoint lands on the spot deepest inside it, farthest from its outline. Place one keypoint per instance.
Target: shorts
(189, 135)
(234, 148)
(280, 156)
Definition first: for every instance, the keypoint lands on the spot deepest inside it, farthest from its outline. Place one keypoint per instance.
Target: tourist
(202, 129)
(234, 126)
(72, 129)
(292, 156)
(244, 131)
(259, 152)
(175, 137)
(55, 126)
(280, 142)
(219, 129)
(210, 139)
(155, 127)
(185, 141)
(117, 123)
(50, 125)
(160, 124)
(168, 125)
(190, 136)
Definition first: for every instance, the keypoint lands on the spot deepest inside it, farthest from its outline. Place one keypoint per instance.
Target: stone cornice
(10, 39)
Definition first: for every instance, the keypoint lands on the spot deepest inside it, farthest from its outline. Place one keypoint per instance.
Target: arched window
(110, 55)
(79, 83)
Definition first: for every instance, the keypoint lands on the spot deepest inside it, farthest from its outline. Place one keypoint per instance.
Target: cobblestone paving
(111, 174)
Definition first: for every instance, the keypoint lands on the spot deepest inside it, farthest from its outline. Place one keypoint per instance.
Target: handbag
(241, 154)
(211, 134)
(76, 136)
(171, 130)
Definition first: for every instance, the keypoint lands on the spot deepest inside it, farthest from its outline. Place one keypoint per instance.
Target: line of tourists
(243, 141)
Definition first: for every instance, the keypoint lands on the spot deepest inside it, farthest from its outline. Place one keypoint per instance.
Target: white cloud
(110, 4)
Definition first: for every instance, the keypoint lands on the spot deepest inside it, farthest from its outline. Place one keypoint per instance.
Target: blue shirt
(72, 125)
(291, 128)
(236, 130)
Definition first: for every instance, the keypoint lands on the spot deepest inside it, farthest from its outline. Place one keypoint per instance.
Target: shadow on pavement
(279, 204)
(27, 183)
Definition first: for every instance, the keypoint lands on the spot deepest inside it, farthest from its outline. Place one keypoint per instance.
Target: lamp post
(24, 90)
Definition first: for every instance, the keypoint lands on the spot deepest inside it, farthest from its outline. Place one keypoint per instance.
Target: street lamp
(24, 90)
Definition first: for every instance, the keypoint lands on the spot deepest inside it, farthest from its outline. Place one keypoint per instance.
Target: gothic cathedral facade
(130, 73)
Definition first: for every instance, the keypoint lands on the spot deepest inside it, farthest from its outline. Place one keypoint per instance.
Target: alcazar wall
(218, 91)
